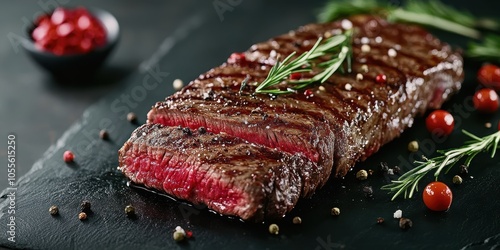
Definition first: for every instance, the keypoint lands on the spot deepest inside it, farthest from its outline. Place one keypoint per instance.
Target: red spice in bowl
(68, 31)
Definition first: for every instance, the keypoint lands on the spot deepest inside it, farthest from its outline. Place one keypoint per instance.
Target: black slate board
(203, 40)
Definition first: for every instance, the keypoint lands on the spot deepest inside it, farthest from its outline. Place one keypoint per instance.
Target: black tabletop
(162, 41)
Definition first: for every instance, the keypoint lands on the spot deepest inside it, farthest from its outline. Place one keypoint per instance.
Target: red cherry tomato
(437, 196)
(486, 100)
(489, 76)
(440, 121)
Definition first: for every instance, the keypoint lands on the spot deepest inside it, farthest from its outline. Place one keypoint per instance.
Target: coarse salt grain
(398, 214)
(364, 67)
(346, 24)
(178, 84)
(359, 77)
(365, 48)
(348, 87)
(392, 52)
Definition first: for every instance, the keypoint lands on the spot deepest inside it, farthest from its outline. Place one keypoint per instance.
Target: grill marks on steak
(227, 174)
(336, 125)
(294, 140)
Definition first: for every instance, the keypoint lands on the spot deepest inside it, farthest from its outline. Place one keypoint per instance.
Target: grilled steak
(227, 174)
(343, 121)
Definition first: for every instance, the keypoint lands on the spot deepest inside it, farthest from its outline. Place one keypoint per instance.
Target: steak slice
(228, 174)
(263, 152)
(346, 119)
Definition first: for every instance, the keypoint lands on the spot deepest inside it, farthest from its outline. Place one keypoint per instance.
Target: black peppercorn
(54, 210)
(103, 134)
(85, 206)
(464, 170)
(186, 131)
(202, 130)
(368, 190)
(405, 223)
(131, 117)
(130, 211)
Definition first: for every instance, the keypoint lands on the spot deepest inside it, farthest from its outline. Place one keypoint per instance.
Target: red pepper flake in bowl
(68, 31)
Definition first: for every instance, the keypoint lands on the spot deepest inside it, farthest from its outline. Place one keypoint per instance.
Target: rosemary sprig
(337, 47)
(407, 183)
(431, 13)
(487, 50)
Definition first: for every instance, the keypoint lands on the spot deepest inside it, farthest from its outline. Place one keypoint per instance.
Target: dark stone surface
(186, 39)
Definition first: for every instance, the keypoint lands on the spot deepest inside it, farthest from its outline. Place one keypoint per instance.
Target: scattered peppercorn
(488, 125)
(85, 206)
(82, 216)
(274, 229)
(413, 146)
(370, 171)
(129, 211)
(464, 170)
(54, 210)
(103, 134)
(405, 223)
(335, 211)
(384, 167)
(362, 175)
(68, 156)
(380, 220)
(457, 180)
(131, 117)
(396, 169)
(202, 130)
(368, 190)
(297, 220)
(186, 131)
(178, 236)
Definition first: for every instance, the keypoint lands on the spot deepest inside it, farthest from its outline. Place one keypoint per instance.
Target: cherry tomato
(489, 76)
(440, 121)
(486, 100)
(437, 196)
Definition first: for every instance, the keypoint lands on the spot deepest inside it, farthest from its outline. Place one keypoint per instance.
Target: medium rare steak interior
(296, 139)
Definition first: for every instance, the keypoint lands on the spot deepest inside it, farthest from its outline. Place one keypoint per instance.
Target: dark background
(183, 39)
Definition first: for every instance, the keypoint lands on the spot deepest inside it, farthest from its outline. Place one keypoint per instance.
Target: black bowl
(76, 65)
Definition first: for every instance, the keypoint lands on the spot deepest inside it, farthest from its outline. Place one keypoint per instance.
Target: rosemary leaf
(408, 182)
(337, 47)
